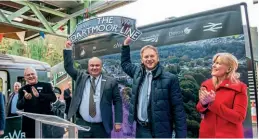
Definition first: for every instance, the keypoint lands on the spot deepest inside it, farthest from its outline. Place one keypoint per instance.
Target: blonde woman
(223, 100)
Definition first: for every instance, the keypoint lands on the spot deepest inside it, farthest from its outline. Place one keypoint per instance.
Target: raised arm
(126, 64)
(68, 61)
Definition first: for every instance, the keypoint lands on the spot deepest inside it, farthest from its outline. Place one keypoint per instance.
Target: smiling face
(95, 66)
(149, 58)
(30, 76)
(16, 86)
(219, 68)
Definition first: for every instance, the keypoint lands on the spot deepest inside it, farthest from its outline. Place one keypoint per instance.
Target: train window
(21, 80)
(1, 84)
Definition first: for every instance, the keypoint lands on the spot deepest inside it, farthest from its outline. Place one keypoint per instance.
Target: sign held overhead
(106, 24)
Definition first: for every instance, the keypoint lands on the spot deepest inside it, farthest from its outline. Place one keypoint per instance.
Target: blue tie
(144, 93)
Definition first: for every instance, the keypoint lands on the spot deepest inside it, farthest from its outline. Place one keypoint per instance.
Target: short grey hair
(92, 58)
(31, 68)
(17, 83)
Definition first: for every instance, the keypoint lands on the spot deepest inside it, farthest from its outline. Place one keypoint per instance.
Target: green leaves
(38, 49)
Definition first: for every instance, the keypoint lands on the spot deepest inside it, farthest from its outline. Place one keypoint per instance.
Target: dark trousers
(143, 131)
(28, 126)
(97, 130)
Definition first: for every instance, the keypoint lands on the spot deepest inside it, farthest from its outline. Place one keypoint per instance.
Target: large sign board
(106, 24)
(186, 47)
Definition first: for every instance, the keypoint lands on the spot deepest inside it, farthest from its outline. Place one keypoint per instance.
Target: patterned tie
(145, 97)
(92, 105)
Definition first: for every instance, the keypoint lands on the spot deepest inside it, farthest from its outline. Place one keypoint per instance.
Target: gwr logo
(15, 135)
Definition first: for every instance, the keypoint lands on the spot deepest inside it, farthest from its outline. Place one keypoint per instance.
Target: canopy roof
(47, 16)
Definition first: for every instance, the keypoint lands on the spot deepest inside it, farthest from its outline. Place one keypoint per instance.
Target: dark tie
(145, 97)
(92, 106)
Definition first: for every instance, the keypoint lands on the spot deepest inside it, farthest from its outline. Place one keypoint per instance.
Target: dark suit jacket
(109, 94)
(40, 105)
(8, 108)
(67, 98)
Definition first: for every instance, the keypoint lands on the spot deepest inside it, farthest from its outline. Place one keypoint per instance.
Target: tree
(199, 77)
(199, 62)
(38, 49)
(193, 127)
(173, 68)
(174, 59)
(185, 58)
(189, 89)
(191, 64)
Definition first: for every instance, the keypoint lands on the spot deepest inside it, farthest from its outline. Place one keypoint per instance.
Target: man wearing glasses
(34, 97)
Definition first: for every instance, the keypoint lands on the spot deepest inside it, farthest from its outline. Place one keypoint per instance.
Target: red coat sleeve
(238, 113)
(200, 108)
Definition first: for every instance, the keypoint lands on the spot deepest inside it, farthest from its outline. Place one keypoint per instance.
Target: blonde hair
(232, 62)
(146, 47)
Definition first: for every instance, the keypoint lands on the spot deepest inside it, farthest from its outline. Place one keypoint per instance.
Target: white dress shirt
(84, 107)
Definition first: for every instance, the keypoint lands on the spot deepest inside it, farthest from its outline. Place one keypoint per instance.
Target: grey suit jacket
(109, 93)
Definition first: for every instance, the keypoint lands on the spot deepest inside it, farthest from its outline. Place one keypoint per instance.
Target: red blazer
(223, 118)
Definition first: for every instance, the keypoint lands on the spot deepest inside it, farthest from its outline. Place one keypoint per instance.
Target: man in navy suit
(156, 100)
(93, 98)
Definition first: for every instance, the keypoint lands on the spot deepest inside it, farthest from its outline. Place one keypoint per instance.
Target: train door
(3, 82)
